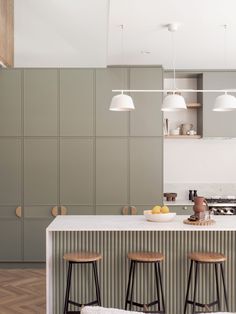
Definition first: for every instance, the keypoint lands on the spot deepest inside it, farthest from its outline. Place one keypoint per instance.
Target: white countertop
(135, 223)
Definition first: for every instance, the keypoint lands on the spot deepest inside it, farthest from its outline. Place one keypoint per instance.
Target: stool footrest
(80, 304)
(143, 304)
(201, 304)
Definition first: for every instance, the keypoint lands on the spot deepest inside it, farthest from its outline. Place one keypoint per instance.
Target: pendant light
(173, 102)
(225, 102)
(122, 102)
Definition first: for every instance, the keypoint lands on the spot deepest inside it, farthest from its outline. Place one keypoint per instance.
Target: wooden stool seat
(207, 257)
(146, 257)
(82, 257)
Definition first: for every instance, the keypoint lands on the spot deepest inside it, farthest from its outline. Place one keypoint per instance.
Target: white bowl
(158, 217)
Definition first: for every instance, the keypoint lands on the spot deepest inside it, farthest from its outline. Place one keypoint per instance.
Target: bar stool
(149, 258)
(214, 259)
(81, 258)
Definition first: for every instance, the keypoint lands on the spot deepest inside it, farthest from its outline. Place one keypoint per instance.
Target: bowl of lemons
(159, 214)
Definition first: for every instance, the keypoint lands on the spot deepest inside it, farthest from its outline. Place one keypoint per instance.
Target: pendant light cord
(173, 59)
(225, 46)
(122, 54)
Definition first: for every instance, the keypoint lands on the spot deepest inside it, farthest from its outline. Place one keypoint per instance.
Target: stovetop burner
(226, 200)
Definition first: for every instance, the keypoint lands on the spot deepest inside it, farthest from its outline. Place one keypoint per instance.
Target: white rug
(103, 310)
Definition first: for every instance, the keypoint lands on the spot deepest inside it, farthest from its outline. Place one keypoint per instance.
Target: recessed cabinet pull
(63, 210)
(133, 210)
(18, 212)
(54, 211)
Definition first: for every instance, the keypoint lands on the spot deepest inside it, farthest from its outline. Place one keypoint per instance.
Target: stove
(222, 205)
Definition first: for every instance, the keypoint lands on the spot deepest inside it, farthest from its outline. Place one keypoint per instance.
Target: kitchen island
(115, 236)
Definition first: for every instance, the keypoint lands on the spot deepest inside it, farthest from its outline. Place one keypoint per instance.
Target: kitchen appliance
(222, 205)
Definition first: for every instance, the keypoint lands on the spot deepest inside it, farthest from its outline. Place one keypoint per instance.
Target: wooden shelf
(182, 136)
(194, 105)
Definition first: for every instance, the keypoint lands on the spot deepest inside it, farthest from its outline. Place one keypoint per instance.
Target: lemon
(165, 210)
(156, 209)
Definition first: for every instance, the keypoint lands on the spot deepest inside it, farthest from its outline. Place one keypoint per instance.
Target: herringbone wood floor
(22, 291)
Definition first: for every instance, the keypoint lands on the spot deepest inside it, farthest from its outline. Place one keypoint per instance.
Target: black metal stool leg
(96, 283)
(161, 286)
(217, 287)
(68, 288)
(132, 287)
(188, 287)
(157, 285)
(195, 288)
(128, 287)
(223, 280)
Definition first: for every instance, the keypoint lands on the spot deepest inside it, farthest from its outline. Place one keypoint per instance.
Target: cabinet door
(10, 102)
(10, 234)
(218, 124)
(109, 123)
(146, 171)
(76, 102)
(111, 171)
(10, 172)
(146, 119)
(40, 102)
(181, 209)
(76, 172)
(40, 172)
(36, 220)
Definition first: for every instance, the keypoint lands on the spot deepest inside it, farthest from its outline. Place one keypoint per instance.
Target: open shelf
(194, 105)
(183, 136)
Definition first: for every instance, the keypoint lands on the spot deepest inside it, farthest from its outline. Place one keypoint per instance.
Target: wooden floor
(22, 291)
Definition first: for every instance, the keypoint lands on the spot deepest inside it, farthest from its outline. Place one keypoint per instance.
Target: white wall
(200, 161)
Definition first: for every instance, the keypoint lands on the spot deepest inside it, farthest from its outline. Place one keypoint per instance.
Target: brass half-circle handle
(63, 210)
(133, 210)
(54, 211)
(19, 212)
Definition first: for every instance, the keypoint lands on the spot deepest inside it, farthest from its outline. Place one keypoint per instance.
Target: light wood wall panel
(7, 32)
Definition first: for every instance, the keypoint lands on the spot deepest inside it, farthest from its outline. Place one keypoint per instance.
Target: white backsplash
(203, 189)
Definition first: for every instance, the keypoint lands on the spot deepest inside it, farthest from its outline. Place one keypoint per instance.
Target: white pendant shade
(225, 103)
(173, 102)
(121, 102)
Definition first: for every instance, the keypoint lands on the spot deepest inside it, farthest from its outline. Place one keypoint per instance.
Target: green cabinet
(40, 102)
(181, 209)
(146, 167)
(76, 171)
(76, 102)
(10, 171)
(40, 171)
(10, 102)
(109, 123)
(64, 152)
(146, 119)
(218, 124)
(10, 234)
(36, 220)
(111, 171)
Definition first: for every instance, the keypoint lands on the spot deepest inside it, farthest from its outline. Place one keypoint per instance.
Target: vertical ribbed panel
(113, 269)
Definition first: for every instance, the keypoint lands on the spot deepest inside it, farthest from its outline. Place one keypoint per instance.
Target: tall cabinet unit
(63, 152)
(11, 222)
(128, 145)
(146, 139)
(77, 142)
(40, 168)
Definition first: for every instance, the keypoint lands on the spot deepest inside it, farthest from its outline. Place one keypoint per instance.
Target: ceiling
(86, 33)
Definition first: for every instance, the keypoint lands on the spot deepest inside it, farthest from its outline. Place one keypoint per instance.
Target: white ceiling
(61, 33)
(86, 33)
